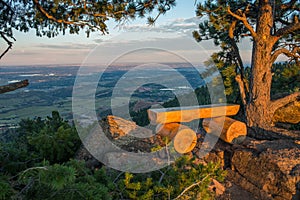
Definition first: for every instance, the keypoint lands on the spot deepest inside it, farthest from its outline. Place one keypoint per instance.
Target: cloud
(69, 46)
(170, 41)
(98, 40)
(22, 52)
(178, 26)
(150, 46)
(48, 54)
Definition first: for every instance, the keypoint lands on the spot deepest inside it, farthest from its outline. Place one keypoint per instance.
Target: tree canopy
(49, 18)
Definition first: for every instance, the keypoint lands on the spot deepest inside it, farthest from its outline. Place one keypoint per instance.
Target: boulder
(272, 166)
(119, 127)
(267, 169)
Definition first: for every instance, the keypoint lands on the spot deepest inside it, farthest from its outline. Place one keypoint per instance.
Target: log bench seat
(214, 117)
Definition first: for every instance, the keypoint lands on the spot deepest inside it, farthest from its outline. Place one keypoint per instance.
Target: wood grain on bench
(190, 113)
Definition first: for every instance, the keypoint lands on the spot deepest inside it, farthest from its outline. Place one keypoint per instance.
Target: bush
(6, 191)
(52, 139)
(71, 180)
(38, 164)
(185, 179)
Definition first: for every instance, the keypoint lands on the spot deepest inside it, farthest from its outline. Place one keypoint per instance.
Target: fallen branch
(191, 186)
(13, 86)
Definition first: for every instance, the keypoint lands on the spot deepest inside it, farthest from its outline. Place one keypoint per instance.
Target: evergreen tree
(273, 28)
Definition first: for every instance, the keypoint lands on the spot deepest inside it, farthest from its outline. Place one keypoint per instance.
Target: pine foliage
(32, 173)
(182, 180)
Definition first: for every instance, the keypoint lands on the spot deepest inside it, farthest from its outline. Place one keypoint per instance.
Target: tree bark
(13, 86)
(241, 85)
(257, 109)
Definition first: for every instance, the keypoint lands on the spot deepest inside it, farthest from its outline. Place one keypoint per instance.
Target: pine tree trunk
(258, 109)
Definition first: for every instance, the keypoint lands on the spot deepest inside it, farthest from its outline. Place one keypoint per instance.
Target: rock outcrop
(119, 127)
(257, 169)
(129, 136)
(267, 169)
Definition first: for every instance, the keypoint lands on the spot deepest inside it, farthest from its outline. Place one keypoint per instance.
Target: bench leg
(230, 128)
(183, 138)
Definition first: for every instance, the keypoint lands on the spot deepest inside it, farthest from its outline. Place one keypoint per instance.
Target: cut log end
(185, 141)
(184, 138)
(229, 128)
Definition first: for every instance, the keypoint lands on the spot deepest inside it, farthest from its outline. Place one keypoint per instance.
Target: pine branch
(8, 6)
(243, 18)
(278, 103)
(140, 7)
(62, 21)
(26, 188)
(191, 186)
(287, 29)
(9, 43)
(295, 53)
(161, 177)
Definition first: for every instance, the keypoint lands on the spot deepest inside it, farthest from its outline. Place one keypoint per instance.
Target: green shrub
(38, 164)
(71, 180)
(184, 179)
(52, 139)
(6, 191)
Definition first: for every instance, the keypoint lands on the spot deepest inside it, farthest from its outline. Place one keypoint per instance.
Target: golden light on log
(184, 138)
(189, 113)
(230, 128)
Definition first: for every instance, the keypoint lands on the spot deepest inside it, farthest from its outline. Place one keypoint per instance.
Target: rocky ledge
(266, 169)
(257, 169)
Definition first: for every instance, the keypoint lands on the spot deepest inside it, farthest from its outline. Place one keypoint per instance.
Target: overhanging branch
(13, 86)
(9, 43)
(62, 21)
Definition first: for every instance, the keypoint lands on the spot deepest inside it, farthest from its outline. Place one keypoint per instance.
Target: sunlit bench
(214, 117)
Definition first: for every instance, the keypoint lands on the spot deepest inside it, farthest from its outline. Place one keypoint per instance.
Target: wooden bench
(214, 117)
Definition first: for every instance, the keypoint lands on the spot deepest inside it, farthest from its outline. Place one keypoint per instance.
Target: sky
(172, 33)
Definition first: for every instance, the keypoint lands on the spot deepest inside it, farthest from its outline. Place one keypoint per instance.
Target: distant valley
(51, 89)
